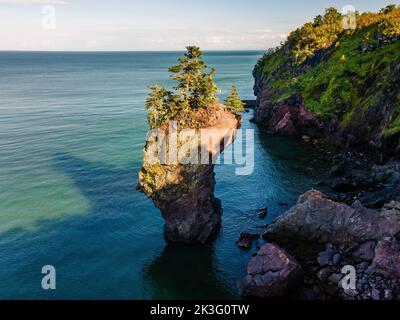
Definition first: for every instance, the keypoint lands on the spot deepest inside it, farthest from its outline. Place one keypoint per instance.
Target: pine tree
(332, 16)
(162, 105)
(233, 102)
(196, 87)
(388, 9)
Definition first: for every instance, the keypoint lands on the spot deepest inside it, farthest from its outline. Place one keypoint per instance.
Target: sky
(160, 25)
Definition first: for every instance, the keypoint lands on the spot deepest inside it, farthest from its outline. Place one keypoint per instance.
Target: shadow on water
(292, 155)
(108, 189)
(186, 272)
(95, 252)
(112, 251)
(180, 271)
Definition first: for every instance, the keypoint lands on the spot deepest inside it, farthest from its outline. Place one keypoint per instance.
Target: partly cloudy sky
(120, 25)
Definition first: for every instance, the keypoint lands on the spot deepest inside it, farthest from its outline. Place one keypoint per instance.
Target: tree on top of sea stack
(195, 89)
(233, 102)
(195, 85)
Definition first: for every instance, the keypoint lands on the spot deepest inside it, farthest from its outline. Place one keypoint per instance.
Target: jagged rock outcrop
(316, 218)
(353, 236)
(373, 185)
(183, 189)
(271, 273)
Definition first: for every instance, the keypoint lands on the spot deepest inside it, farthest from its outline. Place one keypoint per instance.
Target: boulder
(317, 219)
(325, 257)
(387, 258)
(271, 273)
(246, 240)
(365, 252)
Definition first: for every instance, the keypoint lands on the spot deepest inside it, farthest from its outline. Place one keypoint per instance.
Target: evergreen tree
(196, 87)
(318, 20)
(332, 16)
(388, 9)
(162, 105)
(233, 102)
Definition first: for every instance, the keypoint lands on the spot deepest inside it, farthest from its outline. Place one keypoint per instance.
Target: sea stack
(184, 193)
(189, 130)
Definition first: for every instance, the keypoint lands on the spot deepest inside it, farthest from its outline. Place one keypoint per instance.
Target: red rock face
(362, 132)
(184, 193)
(288, 117)
(270, 274)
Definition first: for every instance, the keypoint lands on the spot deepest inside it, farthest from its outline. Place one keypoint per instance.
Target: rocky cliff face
(365, 131)
(289, 116)
(342, 87)
(346, 92)
(184, 193)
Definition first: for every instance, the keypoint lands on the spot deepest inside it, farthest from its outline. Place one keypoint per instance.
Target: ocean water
(72, 129)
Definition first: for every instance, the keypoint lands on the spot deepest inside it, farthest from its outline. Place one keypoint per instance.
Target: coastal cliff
(185, 192)
(340, 89)
(338, 84)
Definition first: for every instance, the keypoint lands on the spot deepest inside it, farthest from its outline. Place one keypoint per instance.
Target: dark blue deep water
(72, 129)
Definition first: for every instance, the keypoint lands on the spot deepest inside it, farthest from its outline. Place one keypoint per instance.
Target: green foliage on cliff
(336, 71)
(313, 36)
(233, 102)
(394, 125)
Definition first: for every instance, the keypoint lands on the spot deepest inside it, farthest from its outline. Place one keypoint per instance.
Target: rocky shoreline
(321, 237)
(351, 116)
(354, 221)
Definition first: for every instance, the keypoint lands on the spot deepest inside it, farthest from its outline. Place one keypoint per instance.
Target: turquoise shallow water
(72, 129)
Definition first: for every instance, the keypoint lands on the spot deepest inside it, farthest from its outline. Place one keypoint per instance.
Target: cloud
(34, 1)
(219, 40)
(258, 31)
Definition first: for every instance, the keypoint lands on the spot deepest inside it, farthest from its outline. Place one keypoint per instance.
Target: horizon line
(116, 51)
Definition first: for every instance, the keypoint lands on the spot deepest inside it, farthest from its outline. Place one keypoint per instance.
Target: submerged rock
(246, 240)
(263, 213)
(185, 192)
(270, 274)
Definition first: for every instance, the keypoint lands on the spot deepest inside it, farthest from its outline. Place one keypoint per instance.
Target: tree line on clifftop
(338, 71)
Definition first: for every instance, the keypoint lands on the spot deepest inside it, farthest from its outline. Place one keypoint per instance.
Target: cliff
(334, 83)
(340, 86)
(183, 187)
